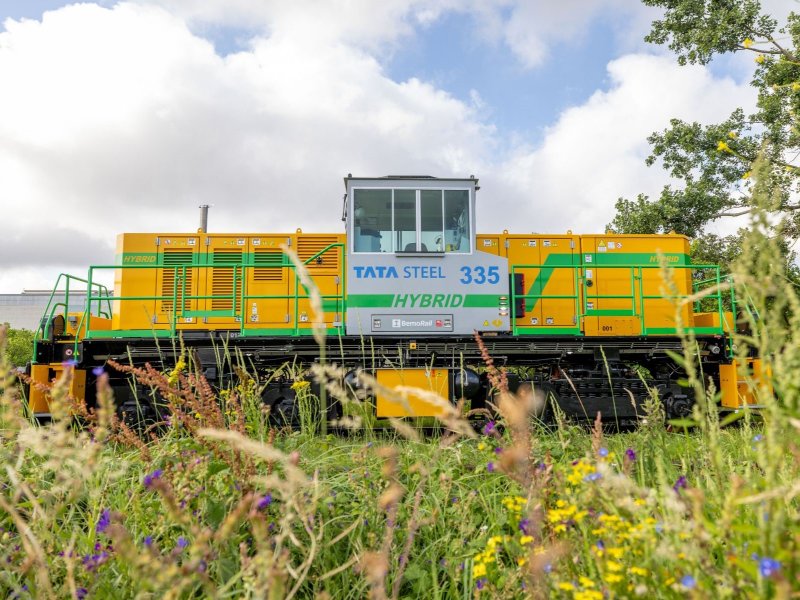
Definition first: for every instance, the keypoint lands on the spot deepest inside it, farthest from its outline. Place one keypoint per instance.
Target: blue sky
(133, 113)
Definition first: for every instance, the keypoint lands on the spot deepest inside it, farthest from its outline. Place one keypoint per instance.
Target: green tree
(20, 345)
(713, 162)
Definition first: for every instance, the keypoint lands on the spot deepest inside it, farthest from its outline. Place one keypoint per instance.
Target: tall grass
(218, 502)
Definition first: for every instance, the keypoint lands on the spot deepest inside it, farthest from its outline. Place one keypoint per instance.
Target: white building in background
(25, 310)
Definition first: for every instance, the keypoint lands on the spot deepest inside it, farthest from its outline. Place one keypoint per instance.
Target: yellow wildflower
(525, 539)
(566, 586)
(300, 385)
(747, 42)
(669, 581)
(586, 582)
(561, 503)
(796, 86)
(478, 558)
(732, 135)
(722, 146)
(747, 175)
(599, 531)
(613, 578)
(588, 595)
(615, 552)
(521, 561)
(478, 570)
(760, 59)
(638, 571)
(560, 528)
(639, 502)
(614, 566)
(681, 555)
(481, 446)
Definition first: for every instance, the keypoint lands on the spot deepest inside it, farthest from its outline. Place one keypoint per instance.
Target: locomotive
(591, 320)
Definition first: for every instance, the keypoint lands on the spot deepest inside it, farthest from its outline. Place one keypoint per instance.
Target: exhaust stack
(203, 218)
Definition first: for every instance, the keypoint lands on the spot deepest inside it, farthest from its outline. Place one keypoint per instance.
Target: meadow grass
(217, 502)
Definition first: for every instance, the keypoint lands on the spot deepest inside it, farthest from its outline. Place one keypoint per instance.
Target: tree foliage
(19, 346)
(712, 163)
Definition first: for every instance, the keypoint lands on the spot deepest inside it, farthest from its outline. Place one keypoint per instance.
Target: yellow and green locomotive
(404, 289)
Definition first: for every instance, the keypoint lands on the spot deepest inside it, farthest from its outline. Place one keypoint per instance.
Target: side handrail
(238, 296)
(582, 291)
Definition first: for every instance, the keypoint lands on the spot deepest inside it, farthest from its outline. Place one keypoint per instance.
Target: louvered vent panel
(171, 277)
(310, 246)
(222, 278)
(268, 265)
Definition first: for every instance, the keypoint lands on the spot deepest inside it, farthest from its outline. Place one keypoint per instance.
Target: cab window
(408, 220)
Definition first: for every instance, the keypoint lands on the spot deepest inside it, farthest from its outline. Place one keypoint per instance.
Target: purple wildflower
(488, 429)
(630, 454)
(92, 561)
(151, 478)
(768, 566)
(498, 450)
(103, 522)
(490, 467)
(758, 437)
(148, 541)
(480, 583)
(592, 476)
(688, 581)
(600, 545)
(680, 484)
(81, 593)
(523, 526)
(97, 371)
(264, 502)
(603, 452)
(181, 543)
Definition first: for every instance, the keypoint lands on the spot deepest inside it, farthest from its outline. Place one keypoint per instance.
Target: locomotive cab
(412, 264)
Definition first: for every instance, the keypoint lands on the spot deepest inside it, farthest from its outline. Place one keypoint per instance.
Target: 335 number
(480, 275)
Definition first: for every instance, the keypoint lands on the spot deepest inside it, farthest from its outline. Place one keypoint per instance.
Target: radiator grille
(171, 277)
(311, 246)
(268, 265)
(222, 283)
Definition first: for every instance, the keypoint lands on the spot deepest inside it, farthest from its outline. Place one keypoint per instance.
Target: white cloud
(595, 152)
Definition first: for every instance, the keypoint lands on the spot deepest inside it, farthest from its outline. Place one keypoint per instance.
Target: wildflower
(525, 540)
(488, 429)
(523, 525)
(760, 59)
(181, 543)
(586, 582)
(81, 593)
(688, 581)
(588, 595)
(148, 541)
(300, 385)
(151, 478)
(603, 452)
(758, 437)
(680, 484)
(613, 578)
(747, 42)
(768, 566)
(638, 571)
(480, 583)
(103, 522)
(498, 450)
(732, 135)
(478, 570)
(490, 467)
(722, 146)
(482, 446)
(747, 175)
(592, 476)
(630, 454)
(264, 502)
(566, 586)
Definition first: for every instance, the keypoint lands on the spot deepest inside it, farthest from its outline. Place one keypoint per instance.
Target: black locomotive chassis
(582, 375)
(375, 352)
